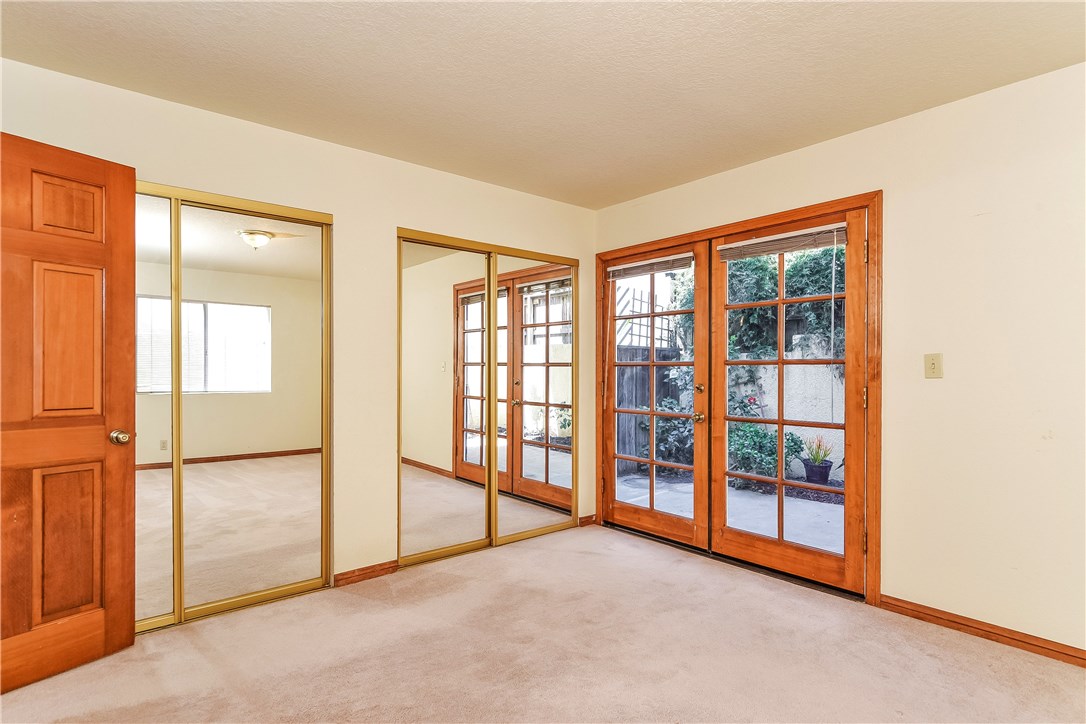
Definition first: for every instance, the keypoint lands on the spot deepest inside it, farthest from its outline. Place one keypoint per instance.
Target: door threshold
(738, 563)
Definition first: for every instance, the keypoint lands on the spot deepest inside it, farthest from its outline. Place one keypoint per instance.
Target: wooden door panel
(67, 208)
(66, 563)
(67, 361)
(67, 340)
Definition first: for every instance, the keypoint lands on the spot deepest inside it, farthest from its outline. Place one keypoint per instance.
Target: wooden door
(655, 402)
(67, 593)
(789, 359)
(541, 408)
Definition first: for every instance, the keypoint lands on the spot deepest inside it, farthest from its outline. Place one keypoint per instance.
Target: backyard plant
(818, 450)
(817, 464)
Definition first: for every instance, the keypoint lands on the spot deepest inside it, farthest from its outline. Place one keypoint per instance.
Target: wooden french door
(781, 304)
(655, 401)
(788, 398)
(535, 383)
(67, 592)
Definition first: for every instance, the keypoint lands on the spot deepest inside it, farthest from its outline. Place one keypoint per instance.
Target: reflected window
(226, 347)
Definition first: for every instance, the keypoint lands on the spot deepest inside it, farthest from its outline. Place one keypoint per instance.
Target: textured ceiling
(585, 102)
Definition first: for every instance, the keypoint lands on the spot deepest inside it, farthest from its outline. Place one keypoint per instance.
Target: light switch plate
(933, 366)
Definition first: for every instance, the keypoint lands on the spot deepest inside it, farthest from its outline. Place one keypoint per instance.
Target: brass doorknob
(699, 417)
(120, 437)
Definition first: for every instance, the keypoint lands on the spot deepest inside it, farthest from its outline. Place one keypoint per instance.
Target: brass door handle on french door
(120, 437)
(699, 417)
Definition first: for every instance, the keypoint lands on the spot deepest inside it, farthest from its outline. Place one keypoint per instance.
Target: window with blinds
(224, 347)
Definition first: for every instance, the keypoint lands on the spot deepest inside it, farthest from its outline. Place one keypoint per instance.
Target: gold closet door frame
(179, 197)
(491, 253)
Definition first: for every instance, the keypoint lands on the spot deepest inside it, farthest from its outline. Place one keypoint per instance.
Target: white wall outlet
(933, 366)
(443, 366)
(162, 445)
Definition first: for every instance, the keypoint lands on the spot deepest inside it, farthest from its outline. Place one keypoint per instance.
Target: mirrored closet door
(232, 389)
(464, 370)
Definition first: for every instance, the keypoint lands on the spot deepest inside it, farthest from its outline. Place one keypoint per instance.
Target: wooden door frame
(799, 218)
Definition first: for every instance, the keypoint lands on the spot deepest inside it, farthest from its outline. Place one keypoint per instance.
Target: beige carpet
(249, 525)
(584, 625)
(437, 511)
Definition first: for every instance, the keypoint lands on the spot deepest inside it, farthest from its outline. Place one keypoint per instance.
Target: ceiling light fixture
(254, 238)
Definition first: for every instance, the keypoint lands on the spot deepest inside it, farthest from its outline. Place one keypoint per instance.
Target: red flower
(752, 399)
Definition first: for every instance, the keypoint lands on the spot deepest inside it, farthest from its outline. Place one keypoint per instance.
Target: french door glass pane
(535, 305)
(473, 347)
(752, 391)
(811, 272)
(560, 467)
(559, 426)
(804, 449)
(633, 339)
(632, 387)
(534, 423)
(561, 343)
(814, 518)
(753, 279)
(473, 414)
(675, 389)
(503, 346)
(673, 491)
(473, 315)
(814, 393)
(632, 482)
(534, 462)
(809, 327)
(752, 506)
(632, 296)
(535, 345)
(675, 338)
(752, 448)
(632, 435)
(752, 333)
(675, 440)
(473, 380)
(673, 290)
(473, 445)
(560, 389)
(534, 383)
(561, 304)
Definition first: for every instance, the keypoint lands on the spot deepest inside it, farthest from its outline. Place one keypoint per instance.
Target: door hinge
(865, 251)
(865, 398)
(865, 541)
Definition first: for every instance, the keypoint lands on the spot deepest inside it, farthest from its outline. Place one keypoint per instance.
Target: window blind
(466, 299)
(677, 262)
(816, 238)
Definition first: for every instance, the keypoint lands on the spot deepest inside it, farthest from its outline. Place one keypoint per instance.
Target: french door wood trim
(863, 209)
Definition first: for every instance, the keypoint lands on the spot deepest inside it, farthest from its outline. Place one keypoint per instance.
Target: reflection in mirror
(251, 356)
(535, 488)
(442, 371)
(154, 421)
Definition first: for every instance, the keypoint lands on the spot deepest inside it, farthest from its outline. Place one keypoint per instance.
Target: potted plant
(817, 464)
